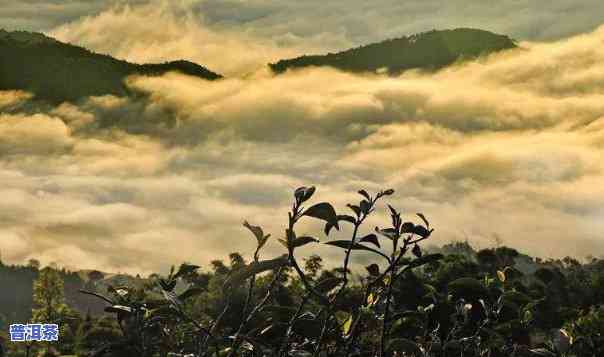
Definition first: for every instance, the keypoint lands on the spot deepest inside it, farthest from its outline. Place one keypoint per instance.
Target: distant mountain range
(429, 50)
(57, 72)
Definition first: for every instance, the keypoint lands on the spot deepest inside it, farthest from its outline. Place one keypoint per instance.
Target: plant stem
(386, 316)
(248, 298)
(290, 325)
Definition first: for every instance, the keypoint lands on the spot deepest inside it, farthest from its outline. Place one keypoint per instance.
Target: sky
(509, 147)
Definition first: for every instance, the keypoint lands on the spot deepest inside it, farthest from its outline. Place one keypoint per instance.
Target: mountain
(430, 50)
(57, 72)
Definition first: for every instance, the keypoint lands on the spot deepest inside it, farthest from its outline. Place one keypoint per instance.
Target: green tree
(587, 332)
(34, 264)
(50, 307)
(49, 297)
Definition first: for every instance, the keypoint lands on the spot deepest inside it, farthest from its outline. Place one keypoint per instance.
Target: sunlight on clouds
(11, 98)
(163, 31)
(38, 134)
(508, 145)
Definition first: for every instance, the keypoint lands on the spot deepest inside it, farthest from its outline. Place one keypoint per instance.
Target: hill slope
(429, 50)
(57, 71)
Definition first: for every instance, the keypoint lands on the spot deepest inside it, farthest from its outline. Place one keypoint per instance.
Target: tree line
(409, 301)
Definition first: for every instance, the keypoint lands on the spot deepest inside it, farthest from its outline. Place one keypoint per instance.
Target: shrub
(393, 312)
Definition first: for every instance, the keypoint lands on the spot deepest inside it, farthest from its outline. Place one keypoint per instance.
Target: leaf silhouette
(365, 194)
(371, 238)
(185, 269)
(373, 269)
(420, 215)
(258, 233)
(255, 268)
(304, 240)
(303, 194)
(324, 211)
(388, 192)
(417, 251)
(387, 232)
(344, 244)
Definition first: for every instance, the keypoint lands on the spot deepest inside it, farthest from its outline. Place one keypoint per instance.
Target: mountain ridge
(429, 50)
(37, 63)
(57, 72)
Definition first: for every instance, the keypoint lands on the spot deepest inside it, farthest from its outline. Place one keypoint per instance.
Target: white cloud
(162, 31)
(510, 145)
(237, 37)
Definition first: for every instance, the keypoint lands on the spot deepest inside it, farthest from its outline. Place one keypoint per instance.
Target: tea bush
(407, 301)
(398, 309)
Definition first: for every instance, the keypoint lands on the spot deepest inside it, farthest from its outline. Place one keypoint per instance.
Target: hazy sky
(258, 31)
(510, 146)
(356, 21)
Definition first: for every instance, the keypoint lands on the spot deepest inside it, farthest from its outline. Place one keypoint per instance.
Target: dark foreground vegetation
(408, 302)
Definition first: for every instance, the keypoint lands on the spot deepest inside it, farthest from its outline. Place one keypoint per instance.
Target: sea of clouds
(509, 146)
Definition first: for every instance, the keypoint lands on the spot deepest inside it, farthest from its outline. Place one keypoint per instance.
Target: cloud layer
(355, 20)
(235, 37)
(162, 31)
(510, 145)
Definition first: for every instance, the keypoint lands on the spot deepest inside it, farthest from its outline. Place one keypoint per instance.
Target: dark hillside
(430, 50)
(58, 72)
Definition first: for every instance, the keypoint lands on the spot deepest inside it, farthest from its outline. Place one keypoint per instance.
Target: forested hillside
(58, 72)
(429, 50)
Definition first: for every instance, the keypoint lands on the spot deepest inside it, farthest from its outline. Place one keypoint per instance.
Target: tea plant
(391, 313)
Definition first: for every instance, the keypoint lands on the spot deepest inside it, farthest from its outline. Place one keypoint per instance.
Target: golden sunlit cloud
(163, 31)
(509, 145)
